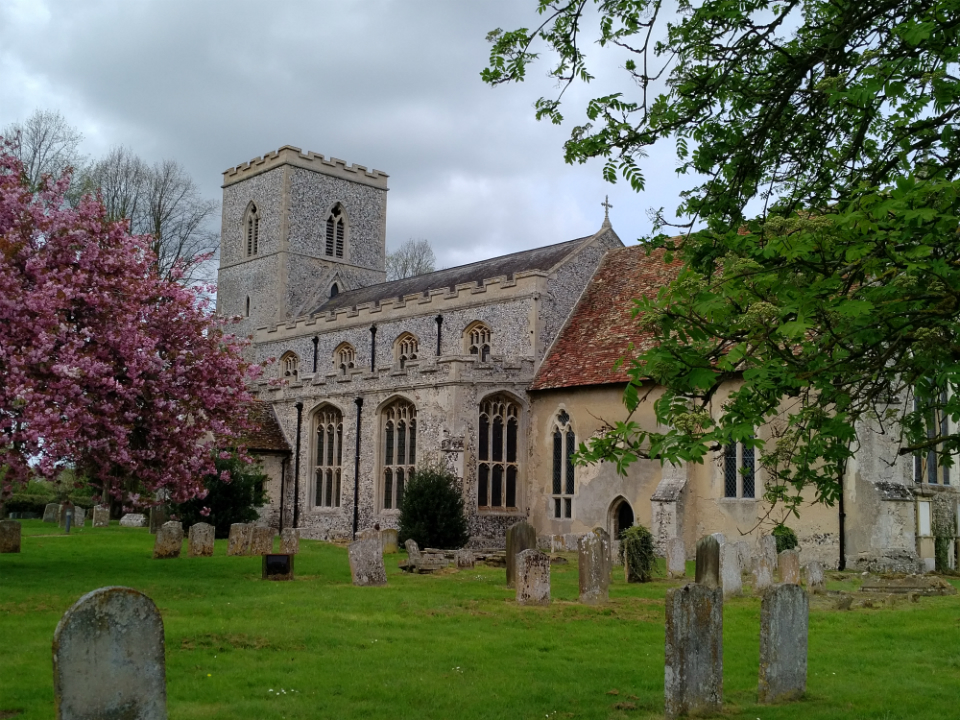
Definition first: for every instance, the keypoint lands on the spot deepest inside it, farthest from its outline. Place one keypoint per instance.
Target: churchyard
(452, 644)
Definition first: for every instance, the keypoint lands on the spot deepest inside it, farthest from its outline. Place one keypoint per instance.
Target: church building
(498, 370)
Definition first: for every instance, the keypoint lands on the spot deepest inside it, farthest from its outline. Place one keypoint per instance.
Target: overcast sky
(389, 84)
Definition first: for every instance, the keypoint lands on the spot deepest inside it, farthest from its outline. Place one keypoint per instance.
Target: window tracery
(399, 448)
(251, 229)
(336, 231)
(345, 358)
(329, 457)
(498, 461)
(564, 479)
(405, 349)
(289, 365)
(478, 340)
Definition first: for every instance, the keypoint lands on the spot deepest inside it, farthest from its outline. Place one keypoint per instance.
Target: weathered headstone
(238, 542)
(158, 516)
(730, 570)
(366, 562)
(79, 517)
(520, 536)
(51, 513)
(101, 516)
(9, 536)
(201, 540)
(767, 546)
(108, 658)
(784, 621)
(762, 574)
(261, 540)
(133, 520)
(721, 539)
(389, 538)
(368, 534)
(708, 562)
(605, 539)
(289, 541)
(413, 550)
(533, 578)
(816, 582)
(746, 556)
(789, 563)
(693, 672)
(169, 540)
(676, 558)
(594, 569)
(465, 559)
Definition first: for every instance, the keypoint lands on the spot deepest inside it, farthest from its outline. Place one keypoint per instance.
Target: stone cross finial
(606, 209)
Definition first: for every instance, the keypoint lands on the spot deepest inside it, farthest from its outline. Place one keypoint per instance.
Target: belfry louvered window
(739, 471)
(336, 232)
(399, 451)
(251, 230)
(329, 458)
(498, 461)
(564, 478)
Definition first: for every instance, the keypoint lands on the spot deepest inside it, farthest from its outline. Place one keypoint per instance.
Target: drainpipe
(356, 467)
(841, 471)
(439, 330)
(283, 487)
(373, 349)
(296, 469)
(316, 342)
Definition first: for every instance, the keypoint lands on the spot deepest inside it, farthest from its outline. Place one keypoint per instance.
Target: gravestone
(816, 582)
(9, 536)
(79, 517)
(65, 508)
(278, 566)
(767, 546)
(533, 578)
(366, 562)
(708, 562)
(762, 574)
(520, 537)
(789, 563)
(594, 569)
(721, 540)
(169, 540)
(133, 520)
(108, 658)
(368, 533)
(289, 541)
(201, 540)
(746, 556)
(261, 540)
(389, 538)
(101, 516)
(605, 539)
(51, 513)
(238, 542)
(730, 570)
(693, 671)
(465, 559)
(676, 558)
(413, 550)
(784, 621)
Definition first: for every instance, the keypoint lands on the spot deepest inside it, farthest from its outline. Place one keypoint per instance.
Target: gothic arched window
(328, 458)
(405, 348)
(336, 232)
(289, 365)
(498, 459)
(399, 448)
(251, 229)
(564, 446)
(477, 340)
(344, 358)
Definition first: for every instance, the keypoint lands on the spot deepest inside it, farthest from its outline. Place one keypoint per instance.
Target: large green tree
(818, 240)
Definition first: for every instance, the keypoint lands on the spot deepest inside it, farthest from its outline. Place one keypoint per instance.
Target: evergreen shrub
(431, 512)
(229, 502)
(785, 537)
(638, 552)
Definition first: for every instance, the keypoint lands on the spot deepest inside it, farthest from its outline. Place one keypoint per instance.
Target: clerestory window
(405, 349)
(477, 339)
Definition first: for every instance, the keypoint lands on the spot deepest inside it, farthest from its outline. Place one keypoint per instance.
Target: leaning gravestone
(239, 540)
(101, 516)
(708, 562)
(533, 578)
(289, 541)
(413, 550)
(730, 577)
(133, 520)
(464, 559)
(693, 672)
(594, 569)
(816, 582)
(389, 538)
(520, 536)
(366, 562)
(169, 541)
(784, 622)
(676, 558)
(789, 563)
(9, 536)
(51, 513)
(201, 540)
(79, 517)
(108, 658)
(261, 540)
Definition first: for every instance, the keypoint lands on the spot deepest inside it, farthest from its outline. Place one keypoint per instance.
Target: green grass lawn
(453, 645)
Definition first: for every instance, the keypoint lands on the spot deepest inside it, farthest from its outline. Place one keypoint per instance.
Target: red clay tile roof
(600, 328)
(267, 436)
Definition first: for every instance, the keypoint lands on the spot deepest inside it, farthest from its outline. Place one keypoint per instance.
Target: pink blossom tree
(104, 365)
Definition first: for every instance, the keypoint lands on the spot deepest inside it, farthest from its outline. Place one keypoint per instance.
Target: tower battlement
(289, 155)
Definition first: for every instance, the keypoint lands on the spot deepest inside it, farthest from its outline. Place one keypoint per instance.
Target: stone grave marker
(594, 569)
(261, 540)
(693, 672)
(169, 540)
(767, 546)
(746, 556)
(520, 536)
(533, 577)
(390, 541)
(79, 517)
(413, 550)
(789, 563)
(201, 540)
(708, 562)
(101, 516)
(9, 536)
(368, 533)
(278, 566)
(366, 562)
(605, 539)
(289, 541)
(784, 621)
(676, 558)
(816, 581)
(730, 576)
(133, 520)
(721, 540)
(158, 516)
(465, 559)
(762, 574)
(108, 658)
(51, 513)
(239, 541)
